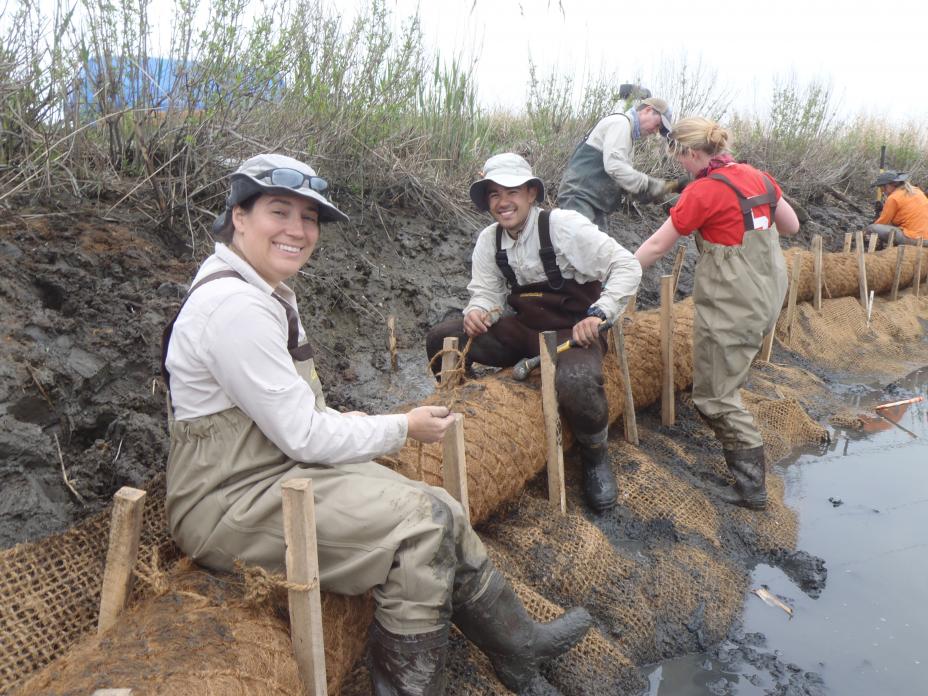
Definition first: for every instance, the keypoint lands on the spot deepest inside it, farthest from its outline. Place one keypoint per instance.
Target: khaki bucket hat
(509, 170)
(275, 173)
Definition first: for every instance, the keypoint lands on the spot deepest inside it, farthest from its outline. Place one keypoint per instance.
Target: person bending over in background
(247, 413)
(737, 213)
(904, 215)
(557, 272)
(601, 169)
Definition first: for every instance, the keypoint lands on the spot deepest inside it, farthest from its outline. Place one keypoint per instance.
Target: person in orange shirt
(905, 211)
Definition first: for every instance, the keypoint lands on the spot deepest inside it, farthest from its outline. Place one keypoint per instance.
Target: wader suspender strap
(748, 204)
(546, 252)
(297, 352)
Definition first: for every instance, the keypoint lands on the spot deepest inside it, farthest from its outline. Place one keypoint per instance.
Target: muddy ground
(83, 301)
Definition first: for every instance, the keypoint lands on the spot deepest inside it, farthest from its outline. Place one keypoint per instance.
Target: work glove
(678, 184)
(878, 207)
(654, 191)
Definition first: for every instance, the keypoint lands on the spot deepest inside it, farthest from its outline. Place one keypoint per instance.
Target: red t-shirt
(711, 207)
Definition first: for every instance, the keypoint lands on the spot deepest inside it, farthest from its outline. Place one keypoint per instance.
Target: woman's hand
(428, 423)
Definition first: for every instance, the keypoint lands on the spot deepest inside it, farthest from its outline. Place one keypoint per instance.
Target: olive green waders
(737, 292)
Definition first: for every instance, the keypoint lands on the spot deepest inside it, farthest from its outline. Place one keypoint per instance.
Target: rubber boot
(599, 485)
(497, 623)
(408, 665)
(749, 468)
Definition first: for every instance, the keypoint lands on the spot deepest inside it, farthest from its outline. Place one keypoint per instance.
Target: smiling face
(277, 235)
(510, 206)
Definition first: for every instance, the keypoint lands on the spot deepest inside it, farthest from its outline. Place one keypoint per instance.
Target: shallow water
(863, 508)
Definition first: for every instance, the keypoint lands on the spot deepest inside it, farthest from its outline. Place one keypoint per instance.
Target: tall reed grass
(90, 108)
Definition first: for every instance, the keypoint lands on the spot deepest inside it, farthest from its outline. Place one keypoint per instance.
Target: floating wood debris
(772, 600)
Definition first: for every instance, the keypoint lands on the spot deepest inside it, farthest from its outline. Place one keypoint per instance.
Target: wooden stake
(121, 555)
(449, 361)
(628, 412)
(900, 255)
(391, 342)
(557, 496)
(303, 569)
(454, 463)
(817, 267)
(861, 269)
(891, 240)
(668, 415)
(847, 242)
(918, 267)
(767, 347)
(632, 305)
(678, 266)
(793, 291)
(874, 238)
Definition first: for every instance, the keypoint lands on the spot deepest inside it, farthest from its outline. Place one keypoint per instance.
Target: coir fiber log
(50, 595)
(841, 276)
(199, 637)
(504, 425)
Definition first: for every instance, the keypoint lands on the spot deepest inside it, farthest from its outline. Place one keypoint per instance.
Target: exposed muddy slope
(83, 301)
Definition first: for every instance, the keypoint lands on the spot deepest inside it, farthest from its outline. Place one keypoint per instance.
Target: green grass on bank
(82, 116)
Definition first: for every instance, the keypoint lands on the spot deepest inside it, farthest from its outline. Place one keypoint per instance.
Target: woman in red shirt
(737, 213)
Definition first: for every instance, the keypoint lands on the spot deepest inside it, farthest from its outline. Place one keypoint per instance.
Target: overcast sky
(871, 54)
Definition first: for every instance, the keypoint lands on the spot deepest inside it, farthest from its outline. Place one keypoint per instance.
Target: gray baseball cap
(663, 108)
(274, 173)
(890, 176)
(509, 170)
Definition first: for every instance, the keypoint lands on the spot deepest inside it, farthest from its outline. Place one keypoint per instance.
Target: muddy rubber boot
(408, 665)
(599, 484)
(748, 466)
(497, 623)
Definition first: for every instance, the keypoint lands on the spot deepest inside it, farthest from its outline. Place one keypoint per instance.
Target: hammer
(522, 369)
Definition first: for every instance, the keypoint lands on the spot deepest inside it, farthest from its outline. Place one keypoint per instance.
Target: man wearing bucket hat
(535, 270)
(601, 169)
(904, 215)
(247, 413)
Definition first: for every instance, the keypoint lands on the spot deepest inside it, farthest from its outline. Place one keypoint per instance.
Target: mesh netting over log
(678, 590)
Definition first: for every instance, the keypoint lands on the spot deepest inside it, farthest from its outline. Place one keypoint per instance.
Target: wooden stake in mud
(874, 238)
(449, 361)
(793, 291)
(861, 269)
(767, 347)
(668, 415)
(302, 563)
(628, 412)
(557, 496)
(890, 241)
(123, 551)
(918, 267)
(847, 242)
(391, 342)
(454, 464)
(817, 271)
(900, 255)
(678, 266)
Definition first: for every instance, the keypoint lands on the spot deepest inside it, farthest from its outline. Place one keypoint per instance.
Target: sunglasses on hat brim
(294, 179)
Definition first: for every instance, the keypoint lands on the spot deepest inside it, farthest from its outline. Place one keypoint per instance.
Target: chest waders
(406, 542)
(586, 186)
(737, 292)
(554, 304)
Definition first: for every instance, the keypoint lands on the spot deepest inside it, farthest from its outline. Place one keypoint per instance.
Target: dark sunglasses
(292, 178)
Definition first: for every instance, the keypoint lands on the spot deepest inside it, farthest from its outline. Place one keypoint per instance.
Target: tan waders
(405, 541)
(737, 292)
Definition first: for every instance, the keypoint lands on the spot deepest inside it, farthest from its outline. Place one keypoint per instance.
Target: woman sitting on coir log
(737, 213)
(248, 413)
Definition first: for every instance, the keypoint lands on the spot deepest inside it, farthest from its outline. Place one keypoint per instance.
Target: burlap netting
(504, 429)
(50, 589)
(840, 271)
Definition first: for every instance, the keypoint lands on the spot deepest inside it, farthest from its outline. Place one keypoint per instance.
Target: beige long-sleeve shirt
(584, 253)
(229, 348)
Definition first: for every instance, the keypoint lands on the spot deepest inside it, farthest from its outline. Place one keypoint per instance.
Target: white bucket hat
(509, 170)
(273, 173)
